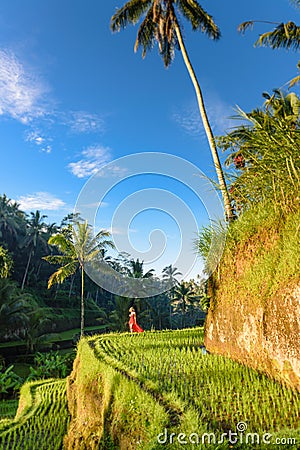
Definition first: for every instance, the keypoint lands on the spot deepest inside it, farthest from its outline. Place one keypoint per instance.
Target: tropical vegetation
(133, 387)
(77, 247)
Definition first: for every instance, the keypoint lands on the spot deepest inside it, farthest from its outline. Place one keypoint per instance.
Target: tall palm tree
(160, 24)
(77, 247)
(11, 221)
(136, 269)
(35, 236)
(184, 295)
(169, 275)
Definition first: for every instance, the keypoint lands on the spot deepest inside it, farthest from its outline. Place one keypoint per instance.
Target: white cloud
(40, 200)
(113, 171)
(47, 149)
(38, 139)
(94, 157)
(84, 122)
(21, 93)
(24, 96)
(33, 136)
(218, 114)
(120, 231)
(189, 119)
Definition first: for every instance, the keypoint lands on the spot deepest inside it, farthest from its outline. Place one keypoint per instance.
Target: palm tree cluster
(44, 288)
(24, 238)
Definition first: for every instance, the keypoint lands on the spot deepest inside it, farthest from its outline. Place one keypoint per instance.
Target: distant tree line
(43, 286)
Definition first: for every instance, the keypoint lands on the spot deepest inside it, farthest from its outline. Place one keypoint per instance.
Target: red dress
(133, 325)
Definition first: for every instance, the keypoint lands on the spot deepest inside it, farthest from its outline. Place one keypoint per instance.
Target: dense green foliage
(265, 153)
(31, 312)
(10, 382)
(51, 365)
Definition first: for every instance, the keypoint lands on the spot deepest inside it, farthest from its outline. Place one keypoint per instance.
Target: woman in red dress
(133, 326)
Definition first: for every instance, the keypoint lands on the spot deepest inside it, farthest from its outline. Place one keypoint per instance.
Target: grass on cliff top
(260, 249)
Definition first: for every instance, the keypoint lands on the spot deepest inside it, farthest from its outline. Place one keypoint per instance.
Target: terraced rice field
(42, 418)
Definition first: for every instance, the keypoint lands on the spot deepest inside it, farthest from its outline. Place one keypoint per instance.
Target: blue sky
(74, 97)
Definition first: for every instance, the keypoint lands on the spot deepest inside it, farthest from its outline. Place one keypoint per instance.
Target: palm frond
(58, 259)
(250, 24)
(62, 273)
(61, 242)
(167, 37)
(294, 81)
(285, 35)
(130, 13)
(245, 26)
(146, 34)
(199, 18)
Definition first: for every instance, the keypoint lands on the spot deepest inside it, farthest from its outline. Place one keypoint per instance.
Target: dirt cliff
(254, 315)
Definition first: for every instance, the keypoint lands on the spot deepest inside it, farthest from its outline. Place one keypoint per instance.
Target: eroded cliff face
(262, 334)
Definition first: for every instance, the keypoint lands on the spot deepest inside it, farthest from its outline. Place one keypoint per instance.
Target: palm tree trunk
(71, 285)
(82, 303)
(26, 270)
(227, 204)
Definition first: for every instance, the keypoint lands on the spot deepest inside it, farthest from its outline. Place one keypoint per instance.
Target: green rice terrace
(148, 391)
(41, 419)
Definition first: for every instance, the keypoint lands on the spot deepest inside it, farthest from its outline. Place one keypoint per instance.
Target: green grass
(41, 420)
(127, 389)
(207, 392)
(263, 243)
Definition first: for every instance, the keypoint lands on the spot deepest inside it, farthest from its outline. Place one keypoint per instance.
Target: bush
(51, 365)
(10, 382)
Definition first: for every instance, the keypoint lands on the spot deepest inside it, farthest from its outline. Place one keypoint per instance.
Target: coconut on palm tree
(77, 247)
(160, 24)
